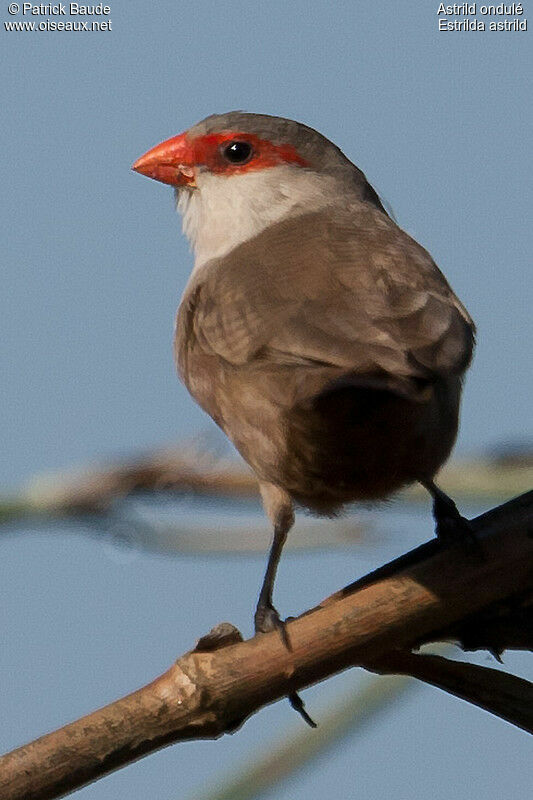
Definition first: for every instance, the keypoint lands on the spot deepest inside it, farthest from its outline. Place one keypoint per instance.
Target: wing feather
(350, 291)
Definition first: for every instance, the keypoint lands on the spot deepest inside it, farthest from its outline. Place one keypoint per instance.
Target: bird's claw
(298, 704)
(267, 619)
(451, 526)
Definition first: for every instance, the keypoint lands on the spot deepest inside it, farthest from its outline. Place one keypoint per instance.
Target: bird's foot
(451, 526)
(266, 620)
(298, 704)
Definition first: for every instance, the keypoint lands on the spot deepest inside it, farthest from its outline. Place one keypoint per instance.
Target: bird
(319, 336)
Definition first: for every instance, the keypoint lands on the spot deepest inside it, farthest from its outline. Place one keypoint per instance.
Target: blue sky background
(93, 267)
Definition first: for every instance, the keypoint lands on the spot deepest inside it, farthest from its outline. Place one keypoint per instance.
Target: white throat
(225, 211)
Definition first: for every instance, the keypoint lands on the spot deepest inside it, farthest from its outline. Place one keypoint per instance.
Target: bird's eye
(237, 152)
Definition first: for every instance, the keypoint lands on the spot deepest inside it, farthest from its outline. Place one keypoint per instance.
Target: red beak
(170, 162)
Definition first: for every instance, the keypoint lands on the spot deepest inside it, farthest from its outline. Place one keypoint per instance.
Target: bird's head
(238, 143)
(237, 173)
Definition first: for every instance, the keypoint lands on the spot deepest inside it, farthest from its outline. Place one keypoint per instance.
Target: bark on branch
(428, 594)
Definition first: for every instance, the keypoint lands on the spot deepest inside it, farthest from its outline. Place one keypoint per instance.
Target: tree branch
(212, 689)
(504, 695)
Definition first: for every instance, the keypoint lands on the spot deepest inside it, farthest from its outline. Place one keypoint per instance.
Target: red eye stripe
(207, 151)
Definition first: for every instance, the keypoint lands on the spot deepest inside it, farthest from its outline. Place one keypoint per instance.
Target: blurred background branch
(188, 469)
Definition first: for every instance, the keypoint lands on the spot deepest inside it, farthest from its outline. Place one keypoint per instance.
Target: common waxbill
(317, 334)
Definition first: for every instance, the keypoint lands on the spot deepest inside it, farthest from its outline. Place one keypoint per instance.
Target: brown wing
(349, 292)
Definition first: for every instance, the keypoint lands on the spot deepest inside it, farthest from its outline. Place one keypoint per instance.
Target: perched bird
(317, 334)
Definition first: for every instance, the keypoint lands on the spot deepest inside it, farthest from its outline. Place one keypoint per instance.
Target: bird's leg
(451, 526)
(267, 618)
(278, 506)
